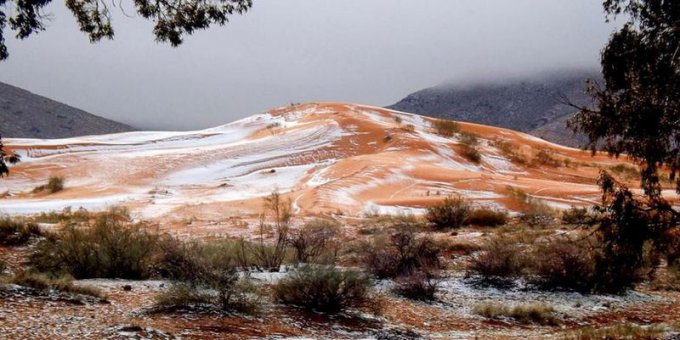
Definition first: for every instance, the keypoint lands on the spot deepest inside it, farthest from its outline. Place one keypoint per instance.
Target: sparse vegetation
(450, 213)
(270, 257)
(409, 128)
(468, 147)
(111, 246)
(485, 217)
(420, 285)
(534, 212)
(54, 185)
(324, 289)
(316, 242)
(44, 283)
(625, 171)
(509, 150)
(445, 128)
(501, 261)
(579, 216)
(17, 231)
(402, 253)
(388, 138)
(540, 314)
(545, 157)
(565, 264)
(620, 331)
(205, 274)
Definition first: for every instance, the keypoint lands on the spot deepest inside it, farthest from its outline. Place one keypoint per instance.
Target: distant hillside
(27, 115)
(529, 105)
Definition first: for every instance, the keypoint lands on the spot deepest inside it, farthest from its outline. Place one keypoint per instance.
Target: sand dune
(327, 157)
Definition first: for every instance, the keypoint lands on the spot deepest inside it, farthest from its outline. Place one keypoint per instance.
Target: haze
(366, 51)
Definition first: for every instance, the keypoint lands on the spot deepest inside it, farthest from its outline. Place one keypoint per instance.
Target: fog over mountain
(535, 105)
(373, 52)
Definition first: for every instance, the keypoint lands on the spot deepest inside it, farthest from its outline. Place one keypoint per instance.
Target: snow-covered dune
(326, 157)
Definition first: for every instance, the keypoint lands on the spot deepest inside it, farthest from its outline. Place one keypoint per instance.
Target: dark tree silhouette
(638, 109)
(6, 158)
(637, 113)
(172, 18)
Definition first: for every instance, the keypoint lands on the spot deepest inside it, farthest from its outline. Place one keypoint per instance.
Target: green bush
(111, 246)
(324, 289)
(450, 213)
(15, 231)
(485, 217)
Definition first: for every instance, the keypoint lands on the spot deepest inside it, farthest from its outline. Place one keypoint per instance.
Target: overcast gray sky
(283, 51)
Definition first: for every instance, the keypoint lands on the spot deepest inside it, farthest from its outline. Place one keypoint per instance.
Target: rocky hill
(529, 105)
(28, 115)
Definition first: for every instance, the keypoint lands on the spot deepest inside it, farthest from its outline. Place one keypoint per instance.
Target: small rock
(127, 288)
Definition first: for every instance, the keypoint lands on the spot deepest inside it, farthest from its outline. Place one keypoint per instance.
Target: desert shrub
(533, 212)
(471, 153)
(270, 256)
(420, 285)
(15, 231)
(580, 216)
(324, 289)
(620, 331)
(388, 138)
(509, 150)
(44, 283)
(409, 128)
(446, 128)
(459, 247)
(398, 119)
(468, 147)
(540, 314)
(182, 296)
(625, 171)
(54, 184)
(204, 274)
(316, 241)
(450, 213)
(67, 215)
(545, 157)
(566, 264)
(111, 246)
(486, 217)
(500, 261)
(401, 254)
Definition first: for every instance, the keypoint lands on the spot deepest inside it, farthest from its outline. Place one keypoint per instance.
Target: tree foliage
(172, 19)
(637, 114)
(6, 158)
(638, 109)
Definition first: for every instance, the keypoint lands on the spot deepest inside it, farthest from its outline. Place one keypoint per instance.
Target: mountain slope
(326, 157)
(532, 105)
(27, 115)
